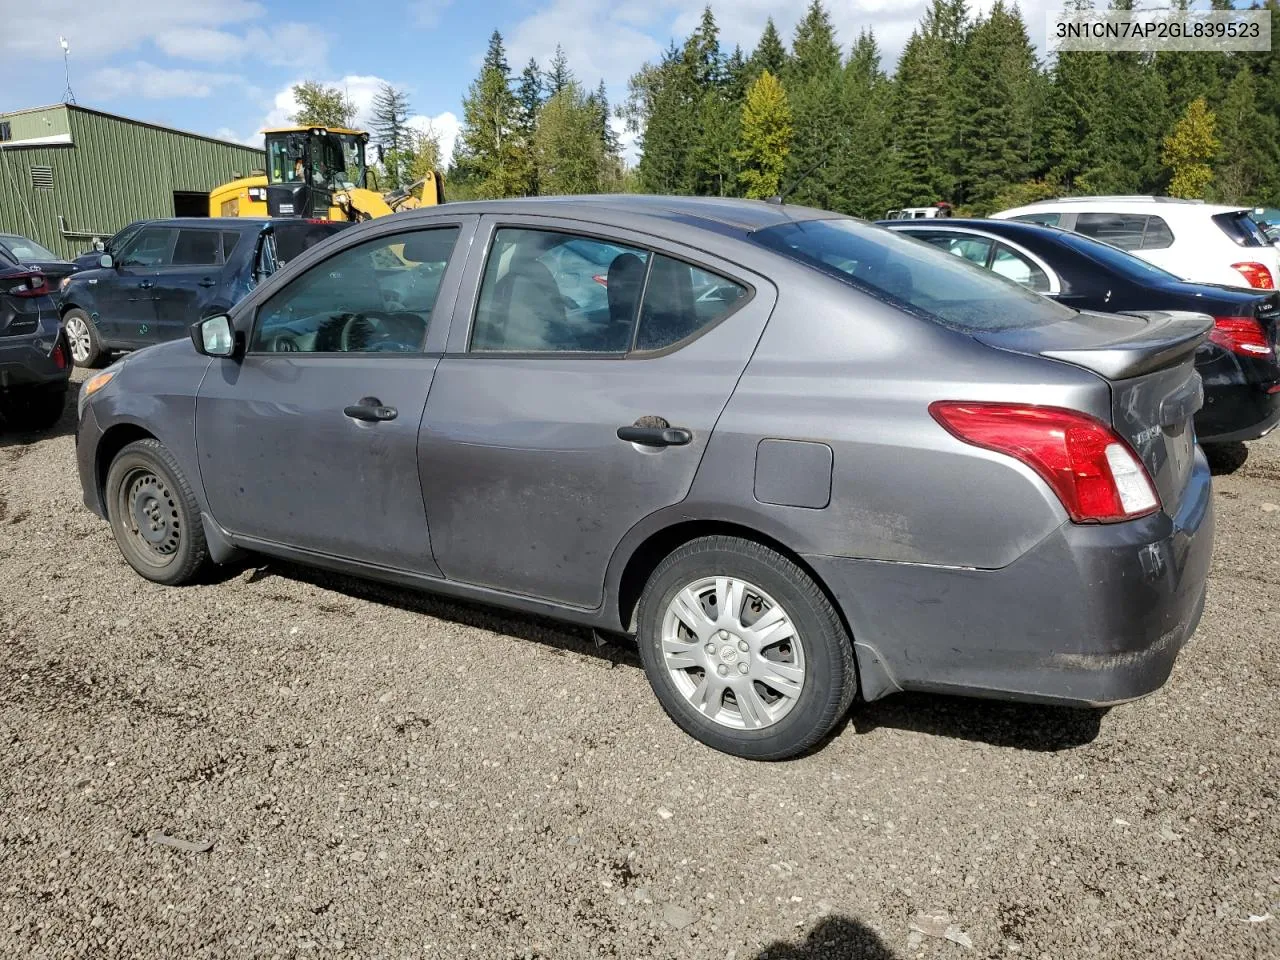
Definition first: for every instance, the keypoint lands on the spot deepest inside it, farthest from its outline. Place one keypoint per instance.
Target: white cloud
(288, 45)
(226, 133)
(427, 13)
(200, 43)
(600, 41)
(104, 27)
(156, 83)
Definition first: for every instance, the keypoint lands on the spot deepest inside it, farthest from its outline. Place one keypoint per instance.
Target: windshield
(28, 251)
(912, 274)
(1125, 264)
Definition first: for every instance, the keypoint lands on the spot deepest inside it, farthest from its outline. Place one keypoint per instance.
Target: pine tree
(995, 90)
(569, 148)
(321, 106)
(1250, 155)
(662, 106)
(488, 150)
(1189, 149)
(735, 75)
(865, 166)
(769, 54)
(922, 122)
(424, 154)
(390, 113)
(702, 52)
(814, 51)
(528, 105)
(765, 139)
(559, 75)
(814, 82)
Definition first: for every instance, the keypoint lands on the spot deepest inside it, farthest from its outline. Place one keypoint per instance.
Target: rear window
(1126, 264)
(1044, 219)
(28, 251)
(1240, 227)
(912, 275)
(293, 238)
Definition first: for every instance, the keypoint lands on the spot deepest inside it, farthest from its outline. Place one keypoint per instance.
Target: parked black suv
(35, 364)
(164, 275)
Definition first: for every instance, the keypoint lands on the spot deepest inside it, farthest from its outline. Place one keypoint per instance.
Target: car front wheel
(744, 651)
(154, 515)
(82, 337)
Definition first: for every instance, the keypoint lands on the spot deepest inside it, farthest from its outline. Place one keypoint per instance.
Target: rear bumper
(1093, 615)
(1237, 412)
(28, 361)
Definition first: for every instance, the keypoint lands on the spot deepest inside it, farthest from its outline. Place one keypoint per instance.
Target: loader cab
(306, 166)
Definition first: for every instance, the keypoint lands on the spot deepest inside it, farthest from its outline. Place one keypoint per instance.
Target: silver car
(796, 457)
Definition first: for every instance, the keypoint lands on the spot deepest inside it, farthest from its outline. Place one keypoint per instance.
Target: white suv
(1197, 241)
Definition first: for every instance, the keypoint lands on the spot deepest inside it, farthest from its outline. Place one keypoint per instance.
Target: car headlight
(95, 384)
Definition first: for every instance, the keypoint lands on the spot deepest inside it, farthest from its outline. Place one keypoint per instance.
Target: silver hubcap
(78, 337)
(733, 652)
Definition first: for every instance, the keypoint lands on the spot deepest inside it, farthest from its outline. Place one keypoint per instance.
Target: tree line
(970, 116)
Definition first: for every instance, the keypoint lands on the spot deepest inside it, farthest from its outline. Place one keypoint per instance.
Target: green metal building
(69, 174)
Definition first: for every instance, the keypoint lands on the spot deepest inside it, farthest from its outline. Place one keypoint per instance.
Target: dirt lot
(385, 775)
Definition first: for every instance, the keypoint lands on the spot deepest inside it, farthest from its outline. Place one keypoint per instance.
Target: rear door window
(1157, 236)
(680, 301)
(1012, 265)
(198, 248)
(1123, 230)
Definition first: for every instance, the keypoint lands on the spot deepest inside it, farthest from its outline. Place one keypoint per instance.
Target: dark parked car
(19, 251)
(1238, 362)
(794, 454)
(91, 258)
(164, 275)
(35, 364)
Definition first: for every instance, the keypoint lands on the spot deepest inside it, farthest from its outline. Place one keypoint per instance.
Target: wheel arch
(114, 439)
(637, 564)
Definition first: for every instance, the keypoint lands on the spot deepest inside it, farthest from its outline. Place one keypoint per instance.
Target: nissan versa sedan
(796, 456)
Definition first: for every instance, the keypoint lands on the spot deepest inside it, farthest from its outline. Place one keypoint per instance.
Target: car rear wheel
(743, 650)
(82, 337)
(154, 515)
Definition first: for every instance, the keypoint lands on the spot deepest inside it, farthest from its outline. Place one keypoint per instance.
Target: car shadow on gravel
(12, 436)
(832, 938)
(560, 636)
(1023, 726)
(1225, 458)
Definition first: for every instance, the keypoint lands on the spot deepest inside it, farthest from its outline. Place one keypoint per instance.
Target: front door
(310, 440)
(126, 295)
(528, 483)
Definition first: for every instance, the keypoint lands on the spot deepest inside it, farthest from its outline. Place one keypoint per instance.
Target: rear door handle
(206, 282)
(655, 436)
(370, 410)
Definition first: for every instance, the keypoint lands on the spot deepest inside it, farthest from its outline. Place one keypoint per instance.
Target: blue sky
(224, 67)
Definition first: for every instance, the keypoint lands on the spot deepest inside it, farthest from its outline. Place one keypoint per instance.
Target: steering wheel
(370, 333)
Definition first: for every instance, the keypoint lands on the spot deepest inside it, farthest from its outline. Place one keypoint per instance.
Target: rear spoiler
(1170, 337)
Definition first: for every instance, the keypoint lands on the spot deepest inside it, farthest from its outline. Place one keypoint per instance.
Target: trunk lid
(1149, 360)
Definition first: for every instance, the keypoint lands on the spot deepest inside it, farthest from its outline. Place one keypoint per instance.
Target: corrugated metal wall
(48, 122)
(116, 171)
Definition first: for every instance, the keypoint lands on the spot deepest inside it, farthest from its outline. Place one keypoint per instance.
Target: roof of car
(1168, 207)
(744, 215)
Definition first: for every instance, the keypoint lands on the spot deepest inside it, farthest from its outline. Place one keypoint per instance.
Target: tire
(37, 408)
(82, 338)
(154, 515)
(777, 722)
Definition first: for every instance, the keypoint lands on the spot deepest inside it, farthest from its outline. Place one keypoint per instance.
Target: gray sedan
(797, 457)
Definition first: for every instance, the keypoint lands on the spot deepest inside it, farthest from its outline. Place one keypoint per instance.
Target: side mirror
(106, 262)
(215, 337)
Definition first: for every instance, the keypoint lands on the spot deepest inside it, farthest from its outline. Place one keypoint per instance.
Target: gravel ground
(388, 775)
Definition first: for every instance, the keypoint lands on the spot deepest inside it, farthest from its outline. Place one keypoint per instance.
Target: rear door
(126, 295)
(528, 483)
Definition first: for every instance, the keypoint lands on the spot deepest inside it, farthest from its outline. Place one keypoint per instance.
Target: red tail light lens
(1242, 335)
(60, 354)
(1255, 274)
(27, 285)
(601, 279)
(1093, 471)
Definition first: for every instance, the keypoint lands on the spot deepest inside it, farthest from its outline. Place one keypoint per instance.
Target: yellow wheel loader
(318, 173)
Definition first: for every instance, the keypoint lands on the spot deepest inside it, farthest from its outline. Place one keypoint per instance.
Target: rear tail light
(60, 354)
(1093, 471)
(27, 285)
(1255, 274)
(1242, 335)
(601, 279)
